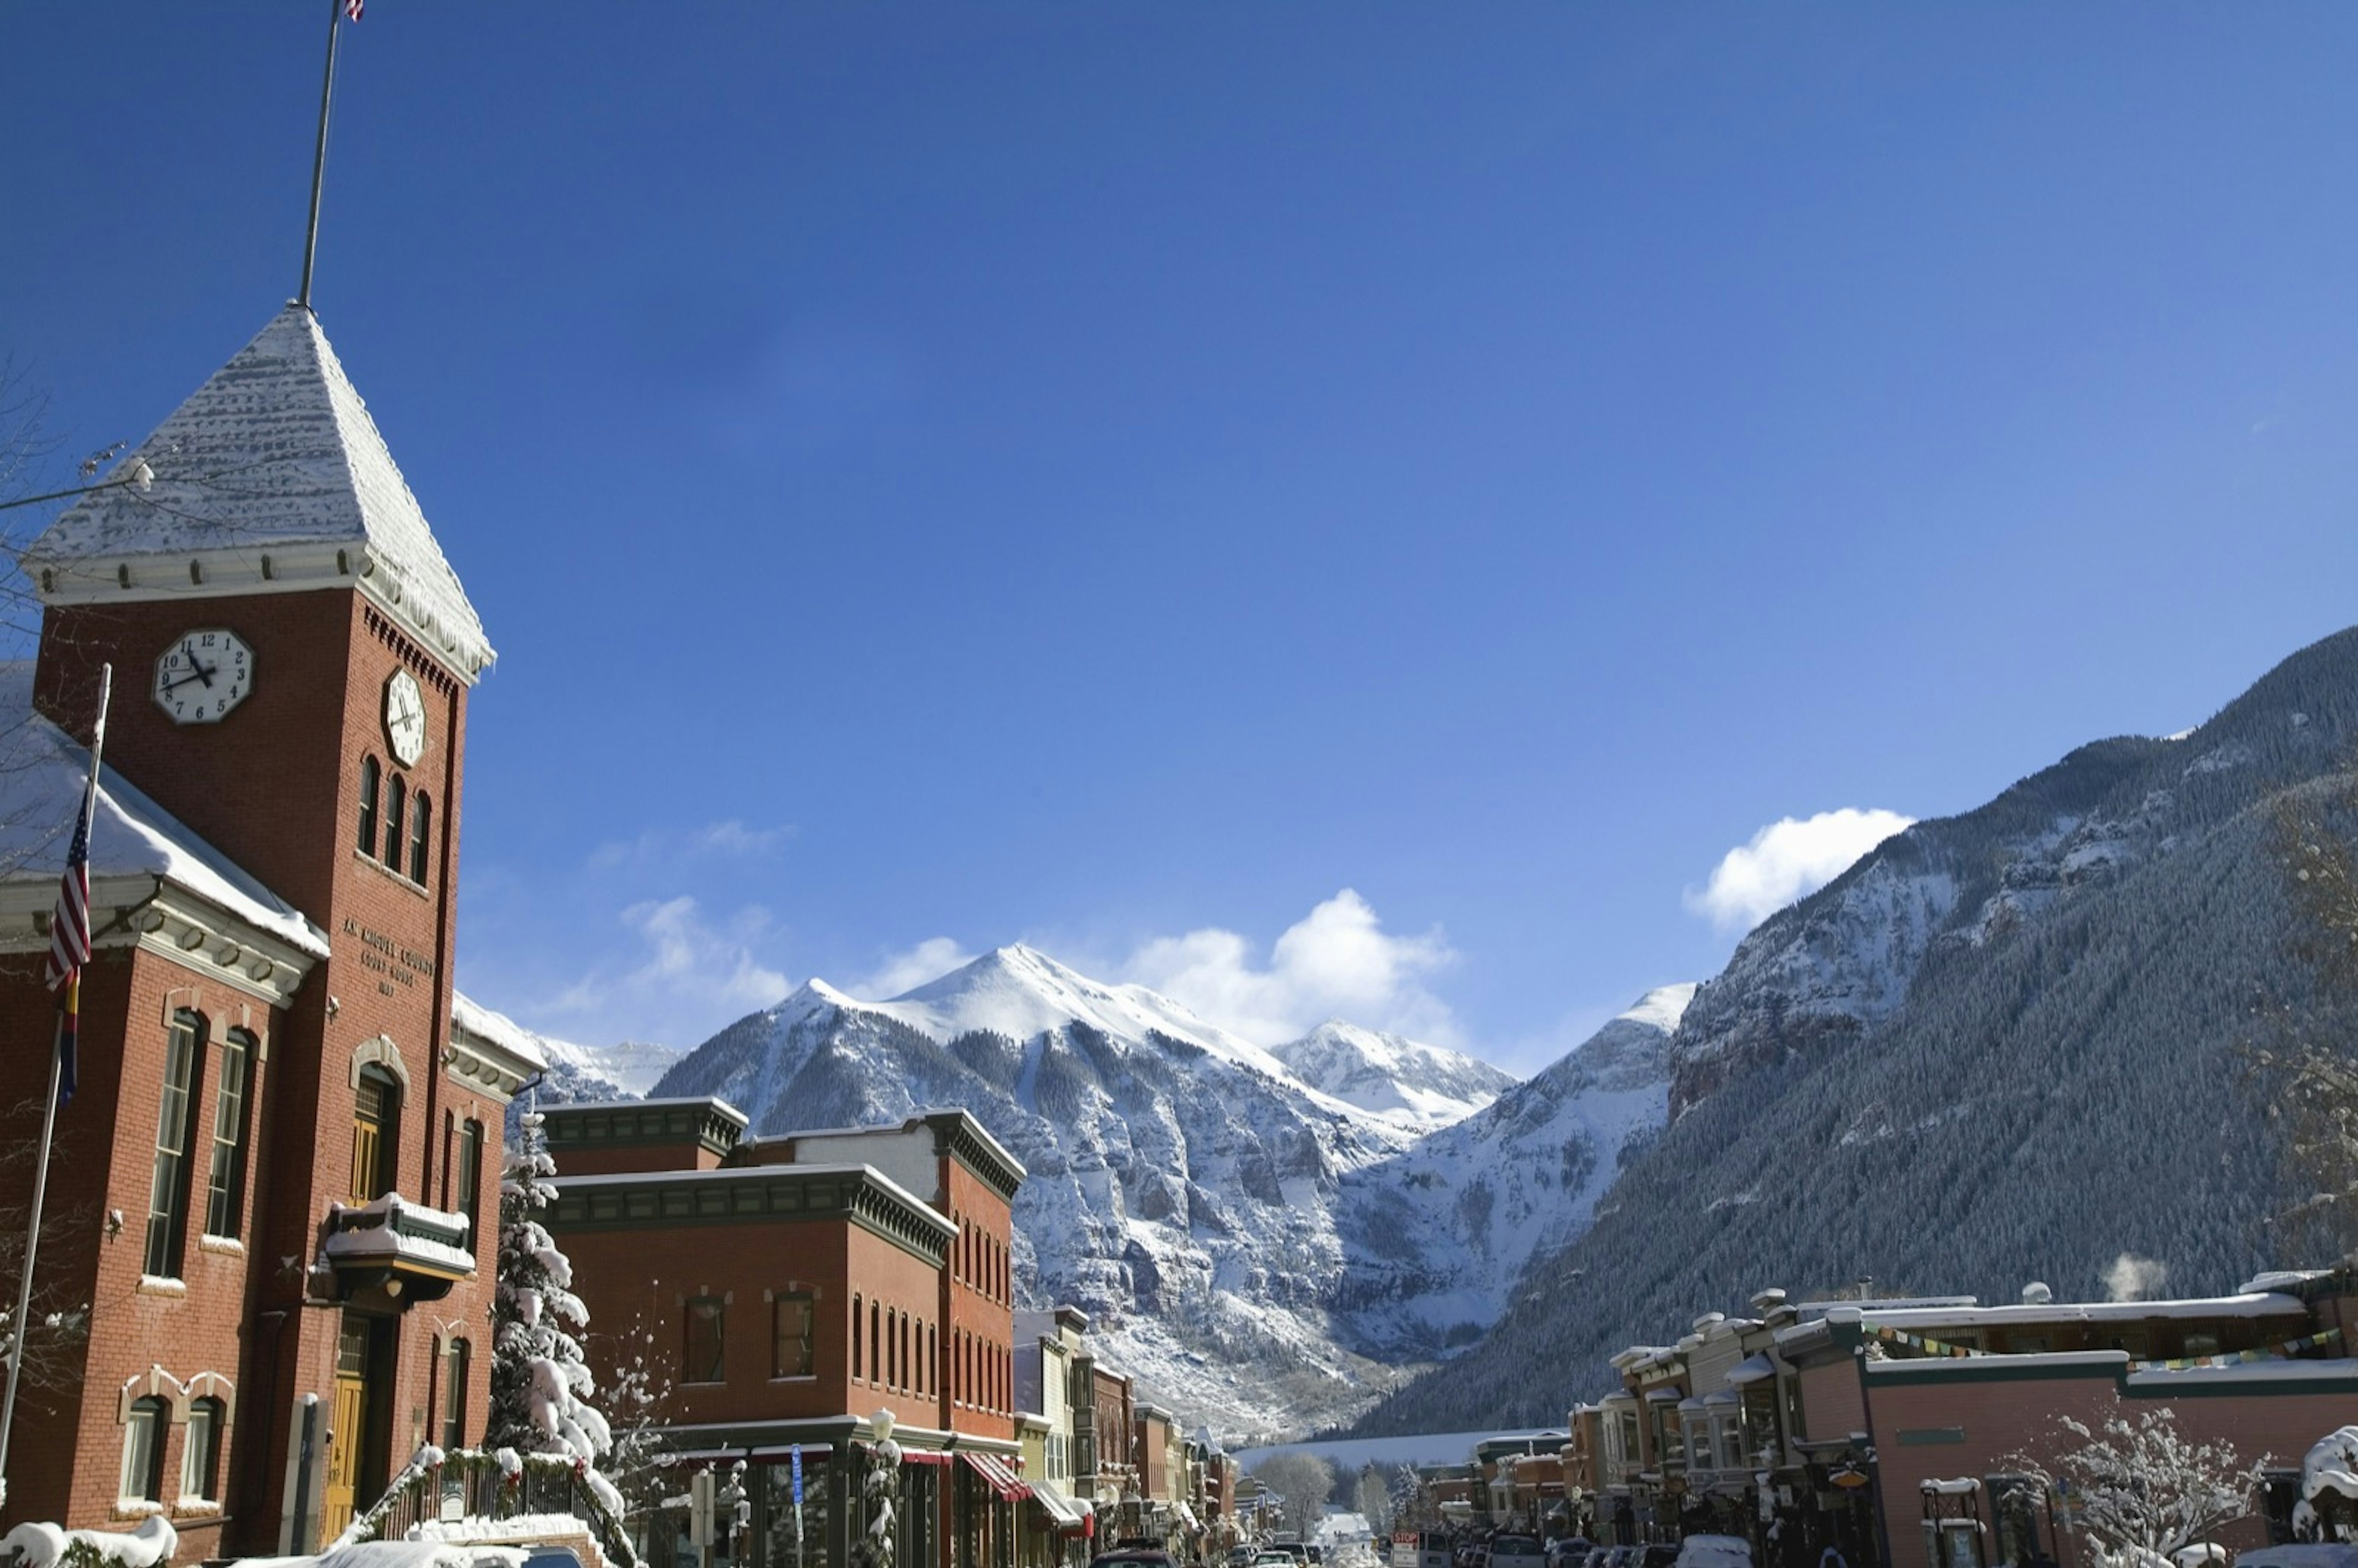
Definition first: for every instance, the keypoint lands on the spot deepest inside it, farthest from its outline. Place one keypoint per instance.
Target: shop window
(792, 1316)
(702, 1353)
(421, 836)
(167, 1188)
(200, 1453)
(225, 1182)
(371, 775)
(143, 1451)
(457, 1360)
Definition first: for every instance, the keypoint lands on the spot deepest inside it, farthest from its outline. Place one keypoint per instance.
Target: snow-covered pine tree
(540, 1383)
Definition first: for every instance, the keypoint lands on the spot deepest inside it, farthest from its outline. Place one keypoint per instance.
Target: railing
(470, 1483)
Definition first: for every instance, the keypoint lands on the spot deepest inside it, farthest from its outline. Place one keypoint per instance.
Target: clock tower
(293, 657)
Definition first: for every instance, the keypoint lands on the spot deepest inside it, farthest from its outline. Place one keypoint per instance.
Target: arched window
(396, 795)
(168, 1186)
(470, 1191)
(369, 775)
(421, 833)
(376, 1123)
(143, 1451)
(225, 1182)
(201, 1452)
(455, 1368)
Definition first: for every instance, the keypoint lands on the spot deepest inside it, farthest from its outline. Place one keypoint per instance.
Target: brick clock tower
(277, 1189)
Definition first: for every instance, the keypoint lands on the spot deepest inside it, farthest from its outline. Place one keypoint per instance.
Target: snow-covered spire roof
(270, 478)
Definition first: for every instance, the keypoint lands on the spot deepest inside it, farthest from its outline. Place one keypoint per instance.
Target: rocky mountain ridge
(2004, 1045)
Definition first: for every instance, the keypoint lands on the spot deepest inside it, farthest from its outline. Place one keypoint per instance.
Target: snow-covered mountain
(2006, 1045)
(1443, 1230)
(1418, 1086)
(623, 1071)
(1183, 1184)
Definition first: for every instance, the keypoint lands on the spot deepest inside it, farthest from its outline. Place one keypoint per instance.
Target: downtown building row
(832, 1314)
(1904, 1431)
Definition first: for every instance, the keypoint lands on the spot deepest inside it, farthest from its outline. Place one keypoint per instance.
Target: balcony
(408, 1251)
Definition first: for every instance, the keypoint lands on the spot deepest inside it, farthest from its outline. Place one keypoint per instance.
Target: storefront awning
(1061, 1511)
(997, 1475)
(1751, 1369)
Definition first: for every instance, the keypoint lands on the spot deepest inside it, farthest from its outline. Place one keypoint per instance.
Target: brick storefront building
(266, 1189)
(804, 1283)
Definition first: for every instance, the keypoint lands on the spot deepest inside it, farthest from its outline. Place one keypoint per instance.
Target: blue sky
(1118, 477)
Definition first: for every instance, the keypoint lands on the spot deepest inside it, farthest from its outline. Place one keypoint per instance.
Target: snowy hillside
(1417, 1086)
(1445, 1229)
(1935, 1069)
(1183, 1184)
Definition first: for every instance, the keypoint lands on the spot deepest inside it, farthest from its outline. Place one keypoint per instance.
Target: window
(143, 1451)
(421, 833)
(395, 796)
(2200, 1344)
(167, 1188)
(875, 1343)
(469, 1191)
(455, 1361)
(791, 1316)
(369, 774)
(376, 1114)
(200, 1453)
(225, 1185)
(856, 1341)
(702, 1361)
(933, 1360)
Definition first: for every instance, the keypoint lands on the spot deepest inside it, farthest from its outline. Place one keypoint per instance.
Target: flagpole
(20, 1328)
(319, 155)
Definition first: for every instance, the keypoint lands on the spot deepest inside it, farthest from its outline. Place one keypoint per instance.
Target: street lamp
(883, 1474)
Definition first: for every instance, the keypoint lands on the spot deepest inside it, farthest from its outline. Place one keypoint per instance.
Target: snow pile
(2328, 1508)
(41, 1545)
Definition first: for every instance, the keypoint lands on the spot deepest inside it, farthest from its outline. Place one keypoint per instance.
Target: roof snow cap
(270, 478)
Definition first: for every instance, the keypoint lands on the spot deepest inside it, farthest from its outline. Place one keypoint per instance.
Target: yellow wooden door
(343, 1456)
(347, 1428)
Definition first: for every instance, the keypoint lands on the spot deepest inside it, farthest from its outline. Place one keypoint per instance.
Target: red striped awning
(999, 1475)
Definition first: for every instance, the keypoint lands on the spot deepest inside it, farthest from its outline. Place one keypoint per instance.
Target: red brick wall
(274, 786)
(977, 1308)
(2000, 1420)
(628, 1277)
(1831, 1406)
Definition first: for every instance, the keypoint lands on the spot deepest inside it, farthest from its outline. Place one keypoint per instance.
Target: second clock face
(204, 674)
(405, 717)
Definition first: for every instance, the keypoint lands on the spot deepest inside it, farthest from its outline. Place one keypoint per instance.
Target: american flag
(352, 9)
(69, 944)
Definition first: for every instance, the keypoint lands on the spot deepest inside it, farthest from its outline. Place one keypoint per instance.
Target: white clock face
(405, 717)
(203, 675)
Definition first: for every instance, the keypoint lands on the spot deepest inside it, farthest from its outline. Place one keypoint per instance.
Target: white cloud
(1786, 859)
(1336, 961)
(687, 957)
(2132, 1278)
(911, 967)
(729, 837)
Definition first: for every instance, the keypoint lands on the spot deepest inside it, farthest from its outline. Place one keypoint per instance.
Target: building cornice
(290, 567)
(754, 1195)
(154, 915)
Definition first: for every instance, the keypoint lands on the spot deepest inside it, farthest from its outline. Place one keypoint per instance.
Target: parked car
(2312, 1554)
(1714, 1551)
(1133, 1557)
(1517, 1551)
(1569, 1551)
